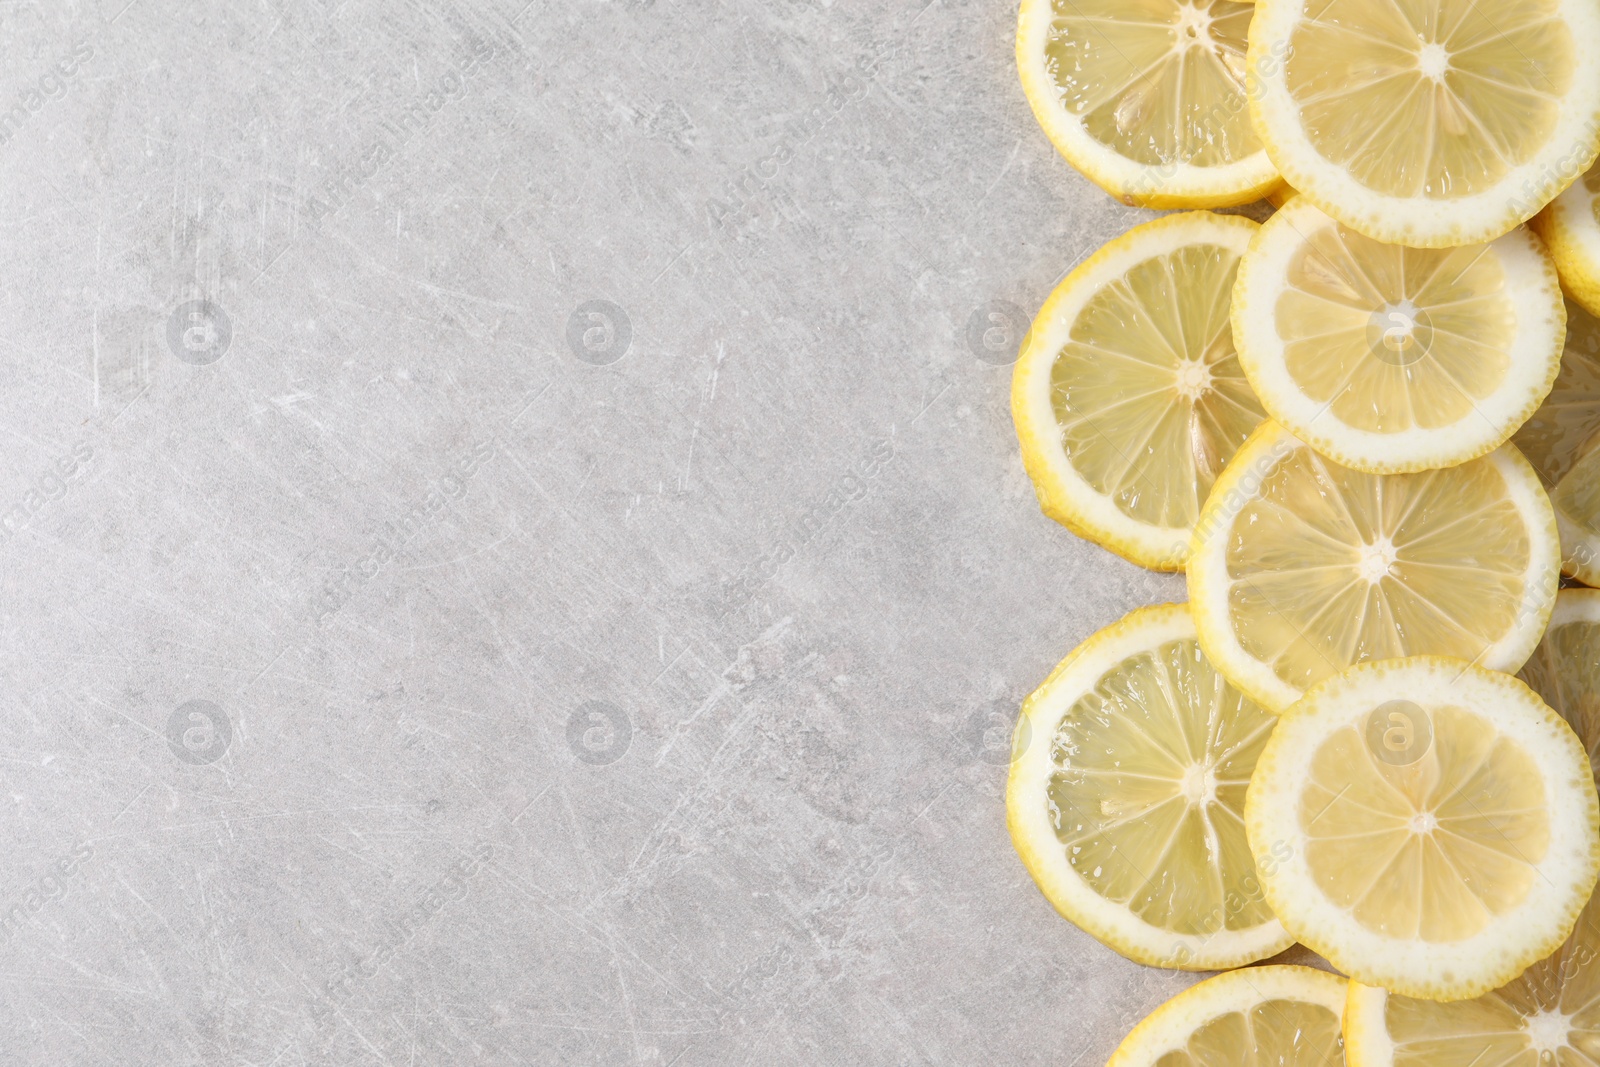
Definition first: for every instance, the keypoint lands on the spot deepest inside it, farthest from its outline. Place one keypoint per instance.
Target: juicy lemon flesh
(1568, 420)
(1148, 392)
(1433, 850)
(1429, 99)
(1577, 496)
(1394, 338)
(1329, 567)
(1153, 80)
(1565, 671)
(1553, 1009)
(1147, 791)
(1279, 1033)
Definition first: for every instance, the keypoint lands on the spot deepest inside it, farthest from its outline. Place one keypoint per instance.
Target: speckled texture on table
(513, 545)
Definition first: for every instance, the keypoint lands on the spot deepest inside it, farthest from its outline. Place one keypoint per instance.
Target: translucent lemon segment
(1274, 1031)
(1565, 668)
(1153, 80)
(1394, 338)
(1128, 396)
(1433, 850)
(1148, 392)
(1400, 563)
(1548, 1016)
(1127, 791)
(1569, 418)
(1433, 826)
(1147, 790)
(1391, 359)
(1562, 442)
(1434, 100)
(1272, 1016)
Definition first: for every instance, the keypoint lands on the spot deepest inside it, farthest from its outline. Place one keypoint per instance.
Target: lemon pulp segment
(1127, 801)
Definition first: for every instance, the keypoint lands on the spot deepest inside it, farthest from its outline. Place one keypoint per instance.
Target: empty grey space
(513, 545)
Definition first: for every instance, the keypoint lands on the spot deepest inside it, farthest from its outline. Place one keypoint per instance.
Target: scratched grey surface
(410, 660)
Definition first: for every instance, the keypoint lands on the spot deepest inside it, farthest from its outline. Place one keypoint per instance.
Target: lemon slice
(1550, 1015)
(1282, 1016)
(1302, 567)
(1561, 441)
(1391, 359)
(1128, 397)
(1565, 669)
(1430, 124)
(1146, 98)
(1126, 797)
(1572, 229)
(1555, 1004)
(1554, 1007)
(1439, 826)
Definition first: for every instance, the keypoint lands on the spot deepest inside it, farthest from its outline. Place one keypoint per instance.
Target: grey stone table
(513, 548)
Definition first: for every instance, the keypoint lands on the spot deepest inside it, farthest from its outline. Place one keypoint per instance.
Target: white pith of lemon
(1390, 359)
(1146, 98)
(1126, 797)
(1128, 398)
(1440, 823)
(1562, 442)
(1302, 567)
(1282, 1016)
(1427, 125)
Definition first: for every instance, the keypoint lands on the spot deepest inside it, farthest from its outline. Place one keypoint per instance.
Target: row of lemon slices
(1369, 431)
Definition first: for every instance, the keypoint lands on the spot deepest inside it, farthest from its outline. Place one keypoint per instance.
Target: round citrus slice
(1549, 1015)
(1438, 822)
(1128, 397)
(1146, 98)
(1554, 1007)
(1391, 359)
(1433, 124)
(1571, 227)
(1302, 567)
(1126, 797)
(1565, 669)
(1282, 1016)
(1562, 441)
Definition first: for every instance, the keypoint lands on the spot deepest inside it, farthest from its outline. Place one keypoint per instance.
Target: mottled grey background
(410, 660)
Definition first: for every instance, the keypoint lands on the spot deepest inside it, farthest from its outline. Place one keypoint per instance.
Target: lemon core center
(1376, 561)
(1433, 60)
(1194, 28)
(1547, 1031)
(1199, 784)
(1194, 378)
